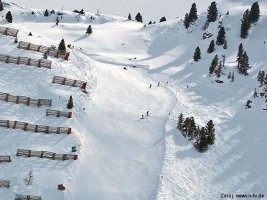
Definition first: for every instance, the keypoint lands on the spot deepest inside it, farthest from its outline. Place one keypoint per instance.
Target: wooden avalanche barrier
(27, 197)
(43, 49)
(45, 154)
(70, 82)
(26, 61)
(58, 113)
(24, 100)
(5, 183)
(5, 158)
(35, 128)
(8, 31)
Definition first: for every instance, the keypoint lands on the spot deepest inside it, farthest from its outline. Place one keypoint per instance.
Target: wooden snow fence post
(5, 158)
(5, 183)
(27, 197)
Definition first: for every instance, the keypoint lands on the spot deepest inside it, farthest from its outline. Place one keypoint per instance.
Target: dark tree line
(203, 136)
(249, 16)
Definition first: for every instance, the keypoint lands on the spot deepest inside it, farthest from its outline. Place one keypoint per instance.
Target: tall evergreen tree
(221, 36)
(180, 121)
(193, 13)
(70, 103)
(62, 45)
(46, 13)
(129, 17)
(186, 21)
(1, 6)
(197, 54)
(245, 24)
(202, 144)
(9, 17)
(89, 30)
(210, 132)
(212, 12)
(218, 70)
(211, 47)
(244, 64)
(139, 18)
(213, 65)
(254, 12)
(239, 54)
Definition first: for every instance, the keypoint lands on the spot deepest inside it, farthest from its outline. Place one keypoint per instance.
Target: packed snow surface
(120, 155)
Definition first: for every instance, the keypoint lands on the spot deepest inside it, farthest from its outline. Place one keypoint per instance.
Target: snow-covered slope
(121, 156)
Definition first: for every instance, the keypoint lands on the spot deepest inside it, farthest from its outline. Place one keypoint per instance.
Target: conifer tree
(245, 24)
(218, 70)
(163, 19)
(212, 12)
(213, 65)
(202, 144)
(260, 77)
(197, 54)
(70, 103)
(254, 12)
(139, 18)
(193, 13)
(221, 36)
(180, 121)
(210, 132)
(9, 17)
(244, 64)
(211, 47)
(191, 128)
(62, 45)
(186, 21)
(129, 17)
(89, 30)
(1, 6)
(46, 13)
(239, 54)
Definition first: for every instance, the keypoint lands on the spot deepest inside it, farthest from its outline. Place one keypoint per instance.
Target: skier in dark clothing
(147, 113)
(142, 117)
(150, 85)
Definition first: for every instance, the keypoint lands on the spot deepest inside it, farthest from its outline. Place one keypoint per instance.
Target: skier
(158, 83)
(150, 85)
(142, 117)
(147, 113)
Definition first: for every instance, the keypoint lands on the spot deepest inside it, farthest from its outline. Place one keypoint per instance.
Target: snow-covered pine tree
(46, 13)
(218, 70)
(139, 18)
(70, 103)
(245, 24)
(193, 13)
(62, 45)
(89, 30)
(211, 47)
(163, 19)
(213, 65)
(197, 54)
(239, 54)
(260, 77)
(202, 144)
(212, 12)
(129, 17)
(1, 6)
(210, 132)
(221, 36)
(180, 121)
(254, 12)
(186, 21)
(9, 17)
(244, 64)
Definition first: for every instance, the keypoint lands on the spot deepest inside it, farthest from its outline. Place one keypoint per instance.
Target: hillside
(120, 155)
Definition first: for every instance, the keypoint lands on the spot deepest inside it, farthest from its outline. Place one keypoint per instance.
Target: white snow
(120, 155)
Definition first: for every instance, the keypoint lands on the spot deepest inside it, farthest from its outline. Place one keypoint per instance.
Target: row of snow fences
(70, 82)
(5, 158)
(43, 49)
(24, 100)
(33, 127)
(26, 61)
(8, 31)
(27, 197)
(5, 183)
(58, 113)
(45, 154)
